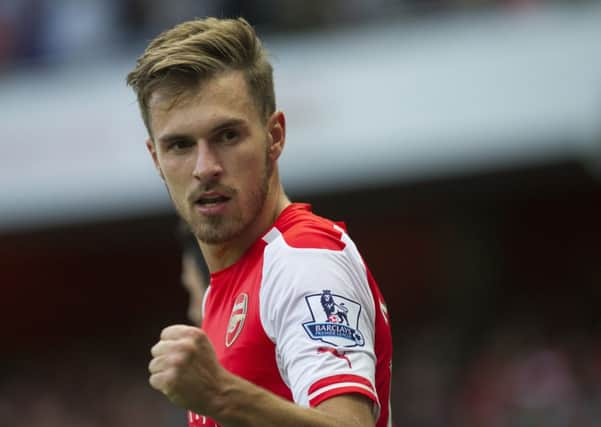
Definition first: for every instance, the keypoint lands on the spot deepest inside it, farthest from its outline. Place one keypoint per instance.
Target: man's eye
(229, 135)
(180, 145)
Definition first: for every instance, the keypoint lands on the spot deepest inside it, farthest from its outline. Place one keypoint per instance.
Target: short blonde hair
(182, 57)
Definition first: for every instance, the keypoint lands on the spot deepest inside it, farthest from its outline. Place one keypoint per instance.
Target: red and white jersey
(301, 316)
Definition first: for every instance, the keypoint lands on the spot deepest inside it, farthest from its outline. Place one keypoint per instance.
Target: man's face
(211, 148)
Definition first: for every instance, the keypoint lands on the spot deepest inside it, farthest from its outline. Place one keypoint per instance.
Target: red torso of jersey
(301, 316)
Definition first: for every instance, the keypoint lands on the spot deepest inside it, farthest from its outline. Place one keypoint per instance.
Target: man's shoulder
(310, 231)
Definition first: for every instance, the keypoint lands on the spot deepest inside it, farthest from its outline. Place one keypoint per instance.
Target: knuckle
(170, 381)
(157, 349)
(169, 332)
(154, 382)
(179, 359)
(163, 332)
(188, 347)
(156, 364)
(182, 345)
(199, 338)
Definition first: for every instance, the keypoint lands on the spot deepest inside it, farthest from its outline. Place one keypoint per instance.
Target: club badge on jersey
(236, 322)
(335, 320)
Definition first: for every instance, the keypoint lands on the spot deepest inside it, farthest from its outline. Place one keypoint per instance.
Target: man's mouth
(211, 200)
(212, 203)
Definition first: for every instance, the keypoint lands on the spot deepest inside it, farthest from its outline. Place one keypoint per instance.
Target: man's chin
(214, 234)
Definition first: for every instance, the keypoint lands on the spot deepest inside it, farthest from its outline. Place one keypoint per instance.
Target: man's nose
(208, 164)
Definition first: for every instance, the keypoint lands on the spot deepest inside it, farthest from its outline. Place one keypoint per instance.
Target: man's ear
(276, 128)
(153, 153)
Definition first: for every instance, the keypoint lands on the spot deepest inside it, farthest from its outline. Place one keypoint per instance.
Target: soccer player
(294, 331)
(194, 273)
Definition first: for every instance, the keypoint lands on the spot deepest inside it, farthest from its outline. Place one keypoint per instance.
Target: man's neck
(223, 255)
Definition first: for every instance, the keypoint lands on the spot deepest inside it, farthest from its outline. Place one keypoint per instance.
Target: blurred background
(459, 139)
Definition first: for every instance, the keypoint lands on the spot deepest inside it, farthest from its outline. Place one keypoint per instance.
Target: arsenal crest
(234, 326)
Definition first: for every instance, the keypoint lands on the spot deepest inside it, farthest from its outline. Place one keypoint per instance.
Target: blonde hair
(194, 51)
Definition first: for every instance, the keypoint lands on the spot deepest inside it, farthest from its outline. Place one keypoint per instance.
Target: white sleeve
(317, 307)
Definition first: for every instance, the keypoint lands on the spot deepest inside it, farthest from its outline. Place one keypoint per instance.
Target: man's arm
(255, 406)
(184, 368)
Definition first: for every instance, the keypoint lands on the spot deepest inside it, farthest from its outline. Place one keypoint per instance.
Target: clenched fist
(184, 368)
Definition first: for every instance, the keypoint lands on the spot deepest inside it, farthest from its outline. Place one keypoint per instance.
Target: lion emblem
(335, 313)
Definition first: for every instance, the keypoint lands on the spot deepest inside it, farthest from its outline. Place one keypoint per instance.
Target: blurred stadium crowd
(523, 371)
(45, 31)
(519, 376)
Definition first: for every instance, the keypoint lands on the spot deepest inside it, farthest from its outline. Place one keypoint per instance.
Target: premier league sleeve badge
(335, 320)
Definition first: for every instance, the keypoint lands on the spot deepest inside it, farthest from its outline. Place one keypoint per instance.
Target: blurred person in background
(519, 378)
(195, 273)
(272, 350)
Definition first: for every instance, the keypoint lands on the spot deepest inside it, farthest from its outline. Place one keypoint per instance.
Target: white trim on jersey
(340, 385)
(271, 235)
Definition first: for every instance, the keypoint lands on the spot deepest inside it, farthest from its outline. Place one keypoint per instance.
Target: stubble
(220, 229)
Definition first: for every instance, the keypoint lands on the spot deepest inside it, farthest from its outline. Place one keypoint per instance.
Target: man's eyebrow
(225, 124)
(173, 137)
(228, 123)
